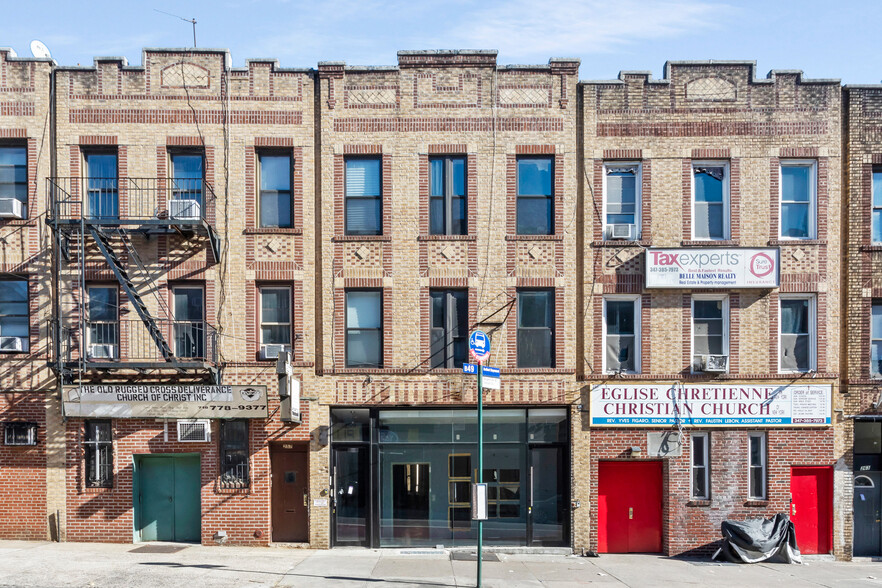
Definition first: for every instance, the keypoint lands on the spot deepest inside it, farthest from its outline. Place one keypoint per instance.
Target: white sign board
(175, 402)
(712, 268)
(711, 405)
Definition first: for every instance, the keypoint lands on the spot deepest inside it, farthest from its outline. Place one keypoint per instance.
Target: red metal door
(629, 507)
(811, 508)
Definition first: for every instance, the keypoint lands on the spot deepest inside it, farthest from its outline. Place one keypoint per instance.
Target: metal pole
(480, 462)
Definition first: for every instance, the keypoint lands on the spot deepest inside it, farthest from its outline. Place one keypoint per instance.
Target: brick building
(657, 263)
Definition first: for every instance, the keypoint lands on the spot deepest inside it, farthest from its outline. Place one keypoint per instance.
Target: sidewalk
(97, 564)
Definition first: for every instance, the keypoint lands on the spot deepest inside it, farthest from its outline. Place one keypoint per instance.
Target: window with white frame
(14, 174)
(621, 334)
(710, 333)
(876, 340)
(275, 315)
(535, 200)
(99, 454)
(700, 466)
(798, 199)
(877, 205)
(364, 328)
(710, 200)
(103, 316)
(275, 190)
(17, 433)
(621, 202)
(14, 316)
(757, 468)
(364, 196)
(797, 333)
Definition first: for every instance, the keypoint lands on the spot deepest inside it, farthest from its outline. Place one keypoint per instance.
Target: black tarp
(756, 540)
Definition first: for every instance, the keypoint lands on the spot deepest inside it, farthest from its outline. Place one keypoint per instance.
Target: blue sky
(824, 39)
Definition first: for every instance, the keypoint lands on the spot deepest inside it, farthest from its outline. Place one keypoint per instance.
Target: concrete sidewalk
(98, 564)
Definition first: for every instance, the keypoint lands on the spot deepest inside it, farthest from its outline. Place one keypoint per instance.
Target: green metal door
(168, 498)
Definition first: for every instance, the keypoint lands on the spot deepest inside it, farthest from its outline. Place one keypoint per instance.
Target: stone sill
(757, 503)
(18, 222)
(699, 503)
(711, 243)
(266, 362)
(621, 243)
(534, 237)
(781, 242)
(357, 238)
(871, 248)
(273, 231)
(447, 238)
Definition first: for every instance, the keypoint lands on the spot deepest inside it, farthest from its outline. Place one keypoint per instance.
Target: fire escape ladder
(145, 277)
(128, 286)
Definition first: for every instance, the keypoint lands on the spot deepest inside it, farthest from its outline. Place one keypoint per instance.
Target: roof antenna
(189, 20)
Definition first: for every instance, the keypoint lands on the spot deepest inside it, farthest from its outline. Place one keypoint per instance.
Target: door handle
(631, 513)
(305, 498)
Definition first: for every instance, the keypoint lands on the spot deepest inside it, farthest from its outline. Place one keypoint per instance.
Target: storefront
(403, 477)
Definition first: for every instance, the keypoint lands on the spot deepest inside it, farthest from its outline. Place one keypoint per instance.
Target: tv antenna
(192, 21)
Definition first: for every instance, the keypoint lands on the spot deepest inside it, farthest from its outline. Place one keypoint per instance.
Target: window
(364, 201)
(621, 341)
(364, 328)
(14, 174)
(621, 201)
(450, 328)
(20, 434)
(798, 199)
(234, 453)
(535, 328)
(102, 185)
(876, 340)
(710, 200)
(189, 322)
(535, 207)
(700, 466)
(188, 177)
(710, 333)
(99, 454)
(447, 200)
(275, 315)
(757, 465)
(14, 326)
(877, 205)
(797, 340)
(103, 324)
(275, 190)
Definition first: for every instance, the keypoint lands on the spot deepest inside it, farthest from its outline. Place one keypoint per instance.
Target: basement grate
(158, 549)
(472, 556)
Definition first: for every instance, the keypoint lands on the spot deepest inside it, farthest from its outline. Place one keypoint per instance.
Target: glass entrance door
(547, 500)
(351, 495)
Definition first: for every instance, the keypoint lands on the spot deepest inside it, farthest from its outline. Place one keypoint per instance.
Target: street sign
(479, 345)
(479, 502)
(490, 374)
(470, 368)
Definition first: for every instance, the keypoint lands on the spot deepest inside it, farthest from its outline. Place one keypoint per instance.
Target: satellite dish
(38, 49)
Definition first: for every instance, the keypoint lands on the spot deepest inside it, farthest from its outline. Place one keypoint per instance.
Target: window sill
(18, 222)
(273, 231)
(695, 502)
(780, 242)
(871, 247)
(447, 237)
(621, 243)
(262, 362)
(542, 370)
(357, 238)
(711, 243)
(764, 503)
(534, 237)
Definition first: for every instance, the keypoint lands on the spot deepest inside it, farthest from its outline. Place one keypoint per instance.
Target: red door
(811, 508)
(629, 507)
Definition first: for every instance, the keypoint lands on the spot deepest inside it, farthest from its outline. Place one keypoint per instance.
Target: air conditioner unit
(11, 344)
(102, 351)
(621, 231)
(184, 209)
(11, 208)
(272, 351)
(714, 363)
(196, 431)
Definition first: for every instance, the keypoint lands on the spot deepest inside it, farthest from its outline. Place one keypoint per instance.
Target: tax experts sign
(712, 268)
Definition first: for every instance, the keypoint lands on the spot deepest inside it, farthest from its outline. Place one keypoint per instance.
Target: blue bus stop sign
(479, 345)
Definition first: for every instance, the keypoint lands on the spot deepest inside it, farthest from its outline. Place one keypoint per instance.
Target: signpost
(479, 346)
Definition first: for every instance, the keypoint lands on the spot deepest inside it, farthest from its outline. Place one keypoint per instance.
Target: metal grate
(194, 431)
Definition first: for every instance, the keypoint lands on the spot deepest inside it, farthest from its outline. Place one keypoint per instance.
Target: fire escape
(101, 224)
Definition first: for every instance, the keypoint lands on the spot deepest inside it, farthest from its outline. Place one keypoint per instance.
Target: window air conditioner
(272, 351)
(11, 208)
(621, 231)
(11, 344)
(714, 363)
(184, 209)
(102, 351)
(197, 431)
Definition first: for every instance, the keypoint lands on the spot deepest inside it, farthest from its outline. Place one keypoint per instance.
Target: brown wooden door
(290, 500)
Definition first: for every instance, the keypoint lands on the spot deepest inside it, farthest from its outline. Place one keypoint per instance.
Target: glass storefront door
(418, 467)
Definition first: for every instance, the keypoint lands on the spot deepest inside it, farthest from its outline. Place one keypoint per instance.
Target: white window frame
(713, 297)
(813, 197)
(706, 466)
(813, 332)
(764, 466)
(873, 338)
(638, 197)
(261, 322)
(31, 433)
(636, 301)
(873, 208)
(727, 232)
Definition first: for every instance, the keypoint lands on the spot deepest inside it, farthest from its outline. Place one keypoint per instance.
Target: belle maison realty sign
(175, 402)
(712, 268)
